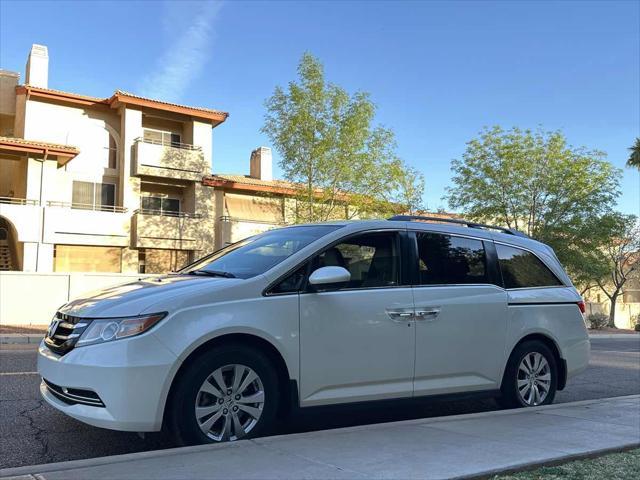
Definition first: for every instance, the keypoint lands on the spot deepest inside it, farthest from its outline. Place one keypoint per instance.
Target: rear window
(522, 269)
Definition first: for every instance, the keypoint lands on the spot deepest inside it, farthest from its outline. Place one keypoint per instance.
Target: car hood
(133, 298)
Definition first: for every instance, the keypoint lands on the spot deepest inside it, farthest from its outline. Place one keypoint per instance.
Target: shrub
(598, 321)
(635, 322)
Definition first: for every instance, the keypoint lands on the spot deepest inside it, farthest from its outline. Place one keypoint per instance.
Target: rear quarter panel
(553, 312)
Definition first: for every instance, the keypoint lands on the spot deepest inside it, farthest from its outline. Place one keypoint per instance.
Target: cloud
(189, 51)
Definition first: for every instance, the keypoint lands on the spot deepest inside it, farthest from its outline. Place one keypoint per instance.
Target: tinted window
(372, 259)
(521, 269)
(258, 254)
(444, 259)
(292, 283)
(107, 193)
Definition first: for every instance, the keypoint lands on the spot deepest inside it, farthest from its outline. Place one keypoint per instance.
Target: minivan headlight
(107, 329)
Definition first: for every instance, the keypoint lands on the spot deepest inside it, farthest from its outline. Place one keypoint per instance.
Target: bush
(635, 322)
(598, 321)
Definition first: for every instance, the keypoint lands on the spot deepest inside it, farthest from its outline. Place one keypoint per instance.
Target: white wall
(86, 227)
(33, 298)
(624, 311)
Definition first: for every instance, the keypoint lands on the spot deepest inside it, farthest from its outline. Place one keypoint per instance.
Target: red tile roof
(21, 146)
(122, 97)
(38, 143)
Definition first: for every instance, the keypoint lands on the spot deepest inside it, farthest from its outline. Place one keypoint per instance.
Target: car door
(357, 338)
(461, 314)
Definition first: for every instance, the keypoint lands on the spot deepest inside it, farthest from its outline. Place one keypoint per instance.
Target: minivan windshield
(255, 255)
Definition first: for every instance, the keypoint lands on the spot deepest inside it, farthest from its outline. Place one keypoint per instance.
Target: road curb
(528, 466)
(20, 338)
(114, 459)
(614, 335)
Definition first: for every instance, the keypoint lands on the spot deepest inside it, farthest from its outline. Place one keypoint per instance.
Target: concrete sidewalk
(445, 447)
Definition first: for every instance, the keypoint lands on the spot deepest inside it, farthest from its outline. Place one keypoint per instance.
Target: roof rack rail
(466, 223)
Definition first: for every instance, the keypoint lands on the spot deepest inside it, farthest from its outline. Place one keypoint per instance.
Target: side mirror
(325, 275)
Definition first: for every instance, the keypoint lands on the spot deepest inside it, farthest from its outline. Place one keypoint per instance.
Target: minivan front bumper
(128, 376)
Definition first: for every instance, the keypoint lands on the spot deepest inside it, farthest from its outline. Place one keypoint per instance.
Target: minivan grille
(64, 332)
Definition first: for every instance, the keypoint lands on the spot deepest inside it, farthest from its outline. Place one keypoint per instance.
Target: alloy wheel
(229, 403)
(533, 379)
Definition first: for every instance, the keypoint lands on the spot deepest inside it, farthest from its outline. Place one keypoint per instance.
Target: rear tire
(531, 376)
(225, 394)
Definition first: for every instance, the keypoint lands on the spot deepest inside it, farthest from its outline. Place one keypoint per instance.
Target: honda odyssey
(319, 314)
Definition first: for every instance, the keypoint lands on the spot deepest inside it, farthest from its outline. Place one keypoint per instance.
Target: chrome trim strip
(63, 393)
(71, 326)
(64, 338)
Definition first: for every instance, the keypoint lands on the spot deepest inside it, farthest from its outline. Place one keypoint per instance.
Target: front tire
(531, 376)
(225, 394)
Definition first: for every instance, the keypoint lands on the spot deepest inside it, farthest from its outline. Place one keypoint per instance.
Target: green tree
(535, 182)
(329, 147)
(622, 259)
(634, 157)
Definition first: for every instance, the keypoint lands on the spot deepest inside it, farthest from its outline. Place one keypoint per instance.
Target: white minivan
(319, 314)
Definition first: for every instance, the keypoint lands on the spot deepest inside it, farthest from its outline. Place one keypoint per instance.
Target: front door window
(372, 259)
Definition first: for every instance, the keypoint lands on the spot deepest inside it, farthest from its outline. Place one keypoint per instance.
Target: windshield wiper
(212, 273)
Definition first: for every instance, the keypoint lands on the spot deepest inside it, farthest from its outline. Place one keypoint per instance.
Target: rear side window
(445, 259)
(522, 269)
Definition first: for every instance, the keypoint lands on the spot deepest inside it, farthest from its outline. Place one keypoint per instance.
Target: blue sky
(438, 71)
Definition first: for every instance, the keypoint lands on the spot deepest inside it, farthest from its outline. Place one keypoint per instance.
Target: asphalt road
(31, 432)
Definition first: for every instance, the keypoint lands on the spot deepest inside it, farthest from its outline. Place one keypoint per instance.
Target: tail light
(582, 307)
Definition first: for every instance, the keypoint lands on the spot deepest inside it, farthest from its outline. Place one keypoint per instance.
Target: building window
(142, 261)
(85, 258)
(157, 205)
(161, 137)
(112, 161)
(93, 196)
(155, 260)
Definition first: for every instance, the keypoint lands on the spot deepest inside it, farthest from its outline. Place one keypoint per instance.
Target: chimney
(261, 164)
(38, 67)
(8, 82)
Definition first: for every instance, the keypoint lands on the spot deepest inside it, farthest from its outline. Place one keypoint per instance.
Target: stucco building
(117, 184)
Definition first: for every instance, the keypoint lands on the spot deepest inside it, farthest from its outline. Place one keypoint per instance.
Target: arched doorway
(9, 253)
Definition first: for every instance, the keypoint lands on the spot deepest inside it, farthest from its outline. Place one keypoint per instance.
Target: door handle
(400, 315)
(428, 313)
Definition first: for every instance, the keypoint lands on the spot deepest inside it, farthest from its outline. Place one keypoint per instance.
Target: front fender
(272, 319)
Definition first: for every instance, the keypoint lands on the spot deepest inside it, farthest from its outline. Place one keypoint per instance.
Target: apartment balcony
(167, 230)
(169, 160)
(23, 216)
(84, 224)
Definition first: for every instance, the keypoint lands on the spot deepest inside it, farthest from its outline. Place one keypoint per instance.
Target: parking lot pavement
(31, 432)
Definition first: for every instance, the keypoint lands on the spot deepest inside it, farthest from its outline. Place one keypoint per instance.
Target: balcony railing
(167, 213)
(184, 146)
(227, 218)
(18, 201)
(87, 206)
